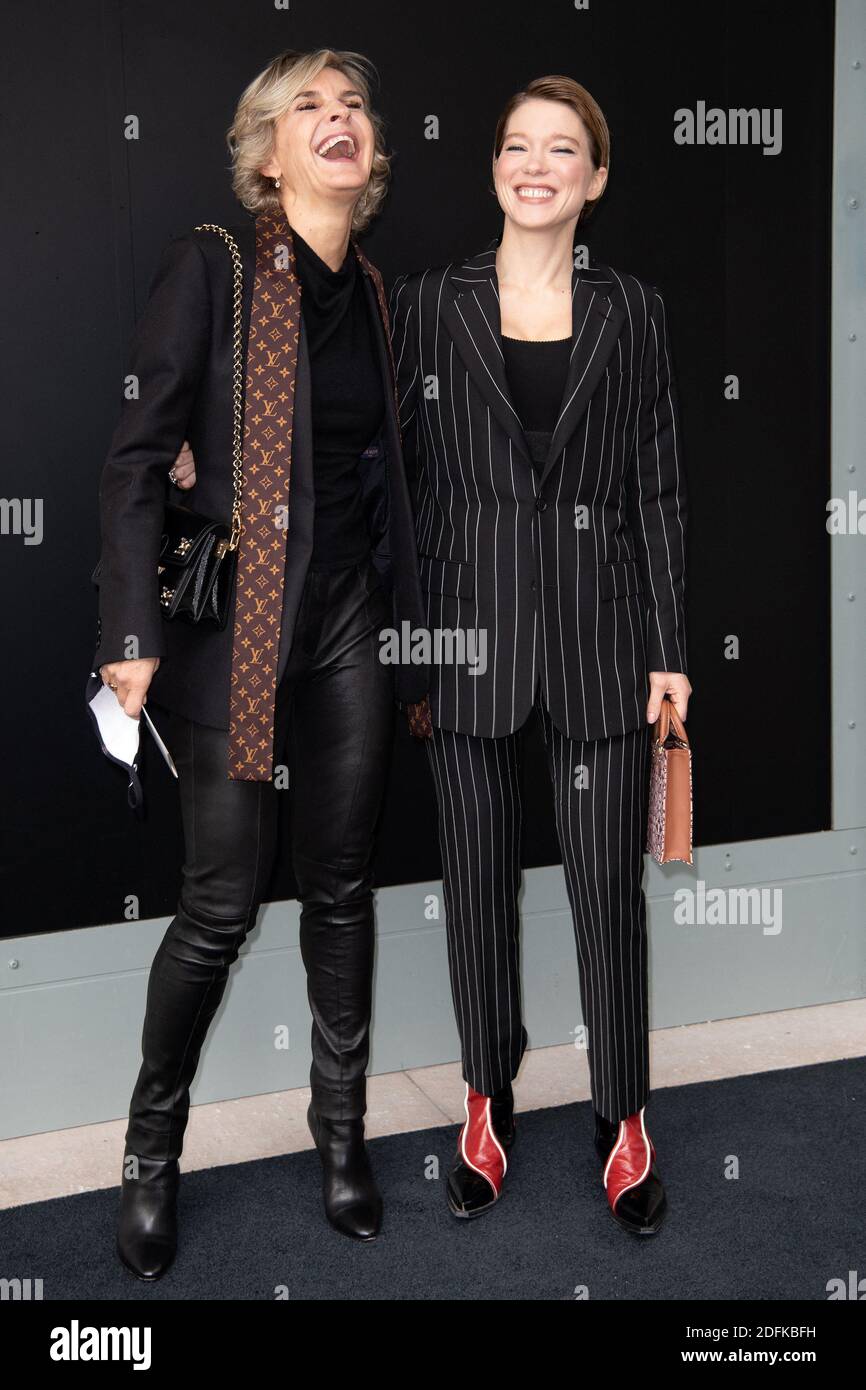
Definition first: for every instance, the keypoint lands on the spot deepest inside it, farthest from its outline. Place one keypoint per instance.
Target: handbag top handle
(668, 716)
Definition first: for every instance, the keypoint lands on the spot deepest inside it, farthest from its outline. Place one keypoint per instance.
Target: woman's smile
(534, 192)
(339, 145)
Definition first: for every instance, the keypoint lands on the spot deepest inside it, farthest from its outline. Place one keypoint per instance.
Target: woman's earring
(276, 183)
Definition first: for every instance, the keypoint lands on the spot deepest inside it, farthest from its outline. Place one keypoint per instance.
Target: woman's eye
(557, 149)
(311, 105)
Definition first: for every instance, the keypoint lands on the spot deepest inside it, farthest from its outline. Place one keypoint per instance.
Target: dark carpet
(789, 1222)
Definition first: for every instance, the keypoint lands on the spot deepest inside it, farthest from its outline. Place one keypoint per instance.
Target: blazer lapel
(473, 320)
(377, 304)
(595, 326)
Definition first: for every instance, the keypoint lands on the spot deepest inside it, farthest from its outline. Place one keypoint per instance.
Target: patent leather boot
(353, 1204)
(478, 1171)
(632, 1183)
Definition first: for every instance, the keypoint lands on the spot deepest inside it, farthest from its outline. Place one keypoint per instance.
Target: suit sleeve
(167, 357)
(657, 499)
(403, 315)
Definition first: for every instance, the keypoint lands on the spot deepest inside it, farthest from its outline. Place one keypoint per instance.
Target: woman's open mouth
(338, 147)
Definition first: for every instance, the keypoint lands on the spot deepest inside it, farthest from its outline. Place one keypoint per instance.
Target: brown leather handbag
(669, 828)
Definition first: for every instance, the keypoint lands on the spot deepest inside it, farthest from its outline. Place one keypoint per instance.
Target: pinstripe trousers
(600, 790)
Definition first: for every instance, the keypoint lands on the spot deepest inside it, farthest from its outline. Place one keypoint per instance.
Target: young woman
(538, 395)
(295, 672)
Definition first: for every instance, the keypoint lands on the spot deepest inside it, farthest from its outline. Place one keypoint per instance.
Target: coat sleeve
(166, 360)
(403, 315)
(656, 489)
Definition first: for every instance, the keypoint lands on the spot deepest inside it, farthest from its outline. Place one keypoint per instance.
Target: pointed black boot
(353, 1204)
(187, 981)
(147, 1226)
(635, 1192)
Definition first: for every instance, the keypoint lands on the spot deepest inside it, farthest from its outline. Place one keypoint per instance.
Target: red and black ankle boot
(631, 1179)
(478, 1171)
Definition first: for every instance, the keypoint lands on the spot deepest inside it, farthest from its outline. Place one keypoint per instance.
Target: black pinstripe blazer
(576, 574)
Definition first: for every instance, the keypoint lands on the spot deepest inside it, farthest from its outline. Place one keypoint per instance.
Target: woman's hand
(672, 683)
(130, 680)
(183, 467)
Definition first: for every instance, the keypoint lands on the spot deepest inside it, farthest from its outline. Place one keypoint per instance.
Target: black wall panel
(737, 240)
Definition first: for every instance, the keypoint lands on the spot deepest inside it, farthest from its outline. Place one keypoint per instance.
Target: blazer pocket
(618, 578)
(439, 576)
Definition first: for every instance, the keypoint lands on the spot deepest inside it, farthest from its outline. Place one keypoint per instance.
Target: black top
(536, 371)
(348, 401)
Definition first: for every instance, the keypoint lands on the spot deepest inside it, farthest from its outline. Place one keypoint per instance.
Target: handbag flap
(185, 534)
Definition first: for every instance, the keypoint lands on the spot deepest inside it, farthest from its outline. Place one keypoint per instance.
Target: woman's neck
(326, 228)
(535, 260)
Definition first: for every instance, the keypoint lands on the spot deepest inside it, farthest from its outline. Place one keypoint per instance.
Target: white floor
(39, 1166)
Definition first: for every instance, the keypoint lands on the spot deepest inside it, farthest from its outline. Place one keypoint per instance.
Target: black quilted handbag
(198, 556)
(196, 567)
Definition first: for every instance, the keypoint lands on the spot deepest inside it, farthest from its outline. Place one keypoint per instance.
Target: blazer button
(541, 504)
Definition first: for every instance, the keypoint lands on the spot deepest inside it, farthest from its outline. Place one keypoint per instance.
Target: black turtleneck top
(348, 401)
(536, 371)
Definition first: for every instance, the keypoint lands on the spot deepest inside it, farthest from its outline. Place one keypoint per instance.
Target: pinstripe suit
(574, 575)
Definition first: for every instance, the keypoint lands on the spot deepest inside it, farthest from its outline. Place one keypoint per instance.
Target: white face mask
(119, 733)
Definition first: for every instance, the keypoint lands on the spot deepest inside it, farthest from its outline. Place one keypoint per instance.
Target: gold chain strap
(237, 378)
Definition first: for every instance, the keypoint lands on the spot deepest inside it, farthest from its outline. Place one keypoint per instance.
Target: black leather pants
(334, 723)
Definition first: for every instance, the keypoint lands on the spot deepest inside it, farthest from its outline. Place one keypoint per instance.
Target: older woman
(326, 558)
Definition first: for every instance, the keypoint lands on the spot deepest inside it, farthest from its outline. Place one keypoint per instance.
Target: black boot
(635, 1192)
(478, 1171)
(353, 1204)
(187, 981)
(147, 1228)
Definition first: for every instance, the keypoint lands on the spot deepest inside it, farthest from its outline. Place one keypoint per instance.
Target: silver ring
(172, 476)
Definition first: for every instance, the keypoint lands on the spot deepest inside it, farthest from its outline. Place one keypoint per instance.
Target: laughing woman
(551, 525)
(326, 558)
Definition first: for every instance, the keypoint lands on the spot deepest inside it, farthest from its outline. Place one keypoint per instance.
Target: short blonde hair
(565, 89)
(250, 137)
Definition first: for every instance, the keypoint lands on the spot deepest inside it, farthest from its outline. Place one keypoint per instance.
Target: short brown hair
(250, 137)
(565, 89)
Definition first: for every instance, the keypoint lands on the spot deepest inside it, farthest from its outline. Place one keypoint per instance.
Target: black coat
(575, 576)
(181, 354)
